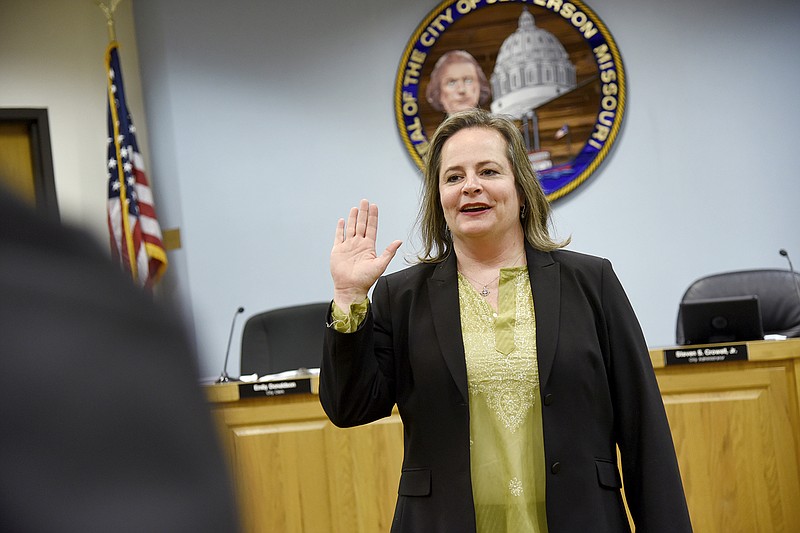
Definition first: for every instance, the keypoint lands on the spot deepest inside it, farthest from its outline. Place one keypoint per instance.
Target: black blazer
(597, 385)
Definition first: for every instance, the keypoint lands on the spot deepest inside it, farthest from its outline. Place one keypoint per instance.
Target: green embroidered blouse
(506, 441)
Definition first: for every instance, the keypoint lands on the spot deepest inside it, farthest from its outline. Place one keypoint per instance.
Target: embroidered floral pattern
(501, 365)
(515, 487)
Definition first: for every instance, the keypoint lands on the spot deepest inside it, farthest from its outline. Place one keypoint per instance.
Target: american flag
(136, 241)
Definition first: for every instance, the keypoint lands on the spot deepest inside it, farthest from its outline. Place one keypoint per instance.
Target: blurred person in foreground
(517, 367)
(105, 427)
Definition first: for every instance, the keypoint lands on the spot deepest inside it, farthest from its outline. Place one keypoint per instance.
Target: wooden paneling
(735, 428)
(296, 472)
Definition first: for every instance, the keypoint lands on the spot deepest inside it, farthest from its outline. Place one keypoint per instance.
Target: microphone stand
(785, 254)
(223, 378)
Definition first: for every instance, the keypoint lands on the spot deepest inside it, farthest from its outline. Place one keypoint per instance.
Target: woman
(516, 366)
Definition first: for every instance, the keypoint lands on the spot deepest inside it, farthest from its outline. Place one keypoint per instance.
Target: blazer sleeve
(356, 382)
(653, 487)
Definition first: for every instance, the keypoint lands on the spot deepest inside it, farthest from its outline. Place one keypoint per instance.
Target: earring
(522, 212)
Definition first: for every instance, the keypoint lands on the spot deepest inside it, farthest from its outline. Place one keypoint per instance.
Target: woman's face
(477, 188)
(460, 87)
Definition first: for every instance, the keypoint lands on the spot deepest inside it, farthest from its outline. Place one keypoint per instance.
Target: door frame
(39, 134)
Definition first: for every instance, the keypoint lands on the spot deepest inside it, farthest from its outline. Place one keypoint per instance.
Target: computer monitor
(712, 320)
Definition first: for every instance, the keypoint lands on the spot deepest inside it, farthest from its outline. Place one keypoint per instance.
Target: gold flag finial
(108, 9)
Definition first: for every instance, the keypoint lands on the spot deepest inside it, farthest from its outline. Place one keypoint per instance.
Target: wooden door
(26, 164)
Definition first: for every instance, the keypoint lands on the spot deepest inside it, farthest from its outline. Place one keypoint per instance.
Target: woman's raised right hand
(355, 265)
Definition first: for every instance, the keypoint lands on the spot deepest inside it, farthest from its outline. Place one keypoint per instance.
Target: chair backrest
(284, 339)
(776, 291)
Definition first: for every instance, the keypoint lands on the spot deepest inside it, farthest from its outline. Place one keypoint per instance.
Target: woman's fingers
(371, 230)
(362, 221)
(389, 252)
(339, 236)
(363, 217)
(350, 230)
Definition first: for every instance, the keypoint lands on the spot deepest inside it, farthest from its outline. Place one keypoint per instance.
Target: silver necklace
(485, 290)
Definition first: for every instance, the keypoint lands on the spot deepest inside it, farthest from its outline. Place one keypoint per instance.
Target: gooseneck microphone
(785, 254)
(223, 378)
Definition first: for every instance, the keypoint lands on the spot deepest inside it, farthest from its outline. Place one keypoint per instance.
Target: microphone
(785, 254)
(223, 378)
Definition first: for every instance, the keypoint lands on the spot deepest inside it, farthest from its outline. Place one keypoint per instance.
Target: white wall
(52, 55)
(268, 120)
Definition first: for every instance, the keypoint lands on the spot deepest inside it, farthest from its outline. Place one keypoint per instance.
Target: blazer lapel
(443, 292)
(545, 275)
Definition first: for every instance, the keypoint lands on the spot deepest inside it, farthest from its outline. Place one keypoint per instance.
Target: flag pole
(108, 10)
(135, 234)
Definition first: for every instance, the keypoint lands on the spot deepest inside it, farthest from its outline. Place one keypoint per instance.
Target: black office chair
(776, 290)
(284, 339)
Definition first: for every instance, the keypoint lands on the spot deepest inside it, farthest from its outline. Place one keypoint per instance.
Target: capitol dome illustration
(532, 67)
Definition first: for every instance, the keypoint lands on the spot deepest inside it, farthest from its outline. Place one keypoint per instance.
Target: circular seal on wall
(551, 65)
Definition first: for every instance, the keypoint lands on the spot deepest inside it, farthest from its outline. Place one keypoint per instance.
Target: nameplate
(274, 388)
(708, 354)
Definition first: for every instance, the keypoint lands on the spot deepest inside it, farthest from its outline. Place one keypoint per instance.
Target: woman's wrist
(344, 299)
